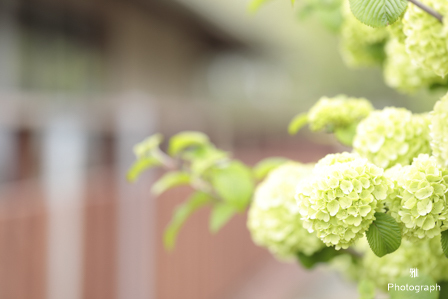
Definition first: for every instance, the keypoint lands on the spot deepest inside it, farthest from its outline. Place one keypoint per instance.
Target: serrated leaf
(297, 123)
(366, 289)
(141, 165)
(420, 281)
(181, 214)
(170, 180)
(183, 140)
(265, 166)
(378, 13)
(234, 184)
(254, 5)
(347, 134)
(143, 148)
(443, 289)
(384, 235)
(444, 241)
(220, 215)
(322, 256)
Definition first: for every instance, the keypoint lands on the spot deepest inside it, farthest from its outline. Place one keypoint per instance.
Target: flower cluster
(439, 131)
(419, 202)
(274, 219)
(361, 45)
(426, 37)
(338, 112)
(339, 201)
(425, 255)
(396, 31)
(402, 74)
(392, 136)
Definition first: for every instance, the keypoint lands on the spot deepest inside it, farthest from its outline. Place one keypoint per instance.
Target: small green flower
(274, 219)
(392, 136)
(419, 202)
(337, 112)
(340, 199)
(426, 38)
(439, 131)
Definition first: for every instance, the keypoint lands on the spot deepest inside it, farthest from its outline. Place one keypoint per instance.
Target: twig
(428, 10)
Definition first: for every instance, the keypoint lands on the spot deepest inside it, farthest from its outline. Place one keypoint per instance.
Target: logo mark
(414, 272)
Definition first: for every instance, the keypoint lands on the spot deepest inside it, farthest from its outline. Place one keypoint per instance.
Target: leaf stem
(166, 160)
(428, 10)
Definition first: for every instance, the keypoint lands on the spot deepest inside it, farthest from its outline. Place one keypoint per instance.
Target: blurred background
(82, 81)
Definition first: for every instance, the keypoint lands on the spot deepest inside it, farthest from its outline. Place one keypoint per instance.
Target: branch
(428, 10)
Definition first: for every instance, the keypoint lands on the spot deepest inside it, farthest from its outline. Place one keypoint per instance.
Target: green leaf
(141, 165)
(183, 140)
(443, 289)
(267, 165)
(297, 123)
(254, 5)
(206, 157)
(347, 134)
(170, 180)
(378, 13)
(420, 281)
(143, 148)
(234, 184)
(221, 214)
(384, 235)
(366, 289)
(444, 242)
(181, 214)
(322, 256)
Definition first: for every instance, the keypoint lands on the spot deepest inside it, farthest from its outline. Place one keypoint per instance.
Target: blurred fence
(76, 229)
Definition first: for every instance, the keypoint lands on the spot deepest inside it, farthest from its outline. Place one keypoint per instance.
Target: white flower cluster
(404, 75)
(419, 200)
(274, 219)
(426, 37)
(392, 136)
(339, 201)
(439, 131)
(337, 112)
(414, 49)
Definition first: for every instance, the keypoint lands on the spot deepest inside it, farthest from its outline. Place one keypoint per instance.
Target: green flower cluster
(361, 45)
(338, 112)
(425, 255)
(274, 219)
(426, 37)
(396, 30)
(339, 201)
(419, 202)
(400, 73)
(392, 136)
(439, 131)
